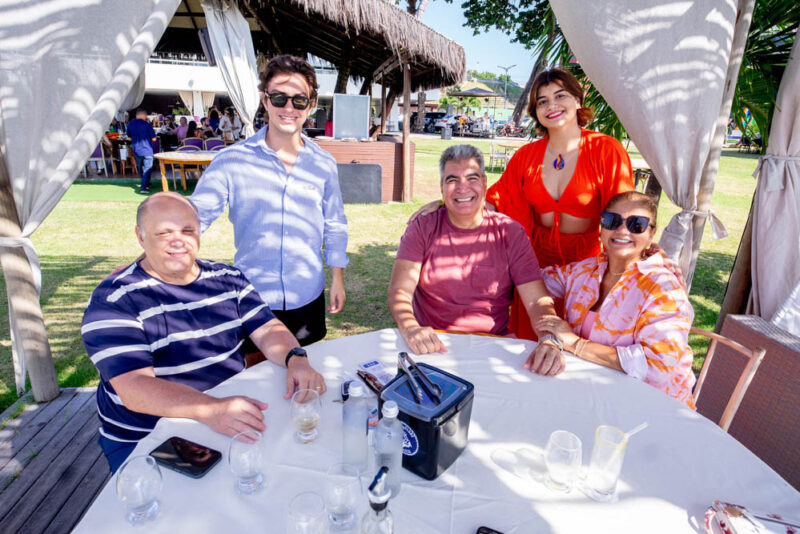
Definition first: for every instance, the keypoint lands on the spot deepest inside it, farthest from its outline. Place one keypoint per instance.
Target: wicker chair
(768, 420)
(754, 358)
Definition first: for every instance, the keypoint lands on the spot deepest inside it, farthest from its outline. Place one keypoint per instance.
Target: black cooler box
(434, 434)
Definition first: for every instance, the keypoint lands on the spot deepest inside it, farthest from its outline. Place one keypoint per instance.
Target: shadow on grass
(366, 282)
(68, 281)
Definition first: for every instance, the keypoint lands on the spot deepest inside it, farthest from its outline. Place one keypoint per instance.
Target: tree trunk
(743, 18)
(737, 291)
(419, 126)
(406, 131)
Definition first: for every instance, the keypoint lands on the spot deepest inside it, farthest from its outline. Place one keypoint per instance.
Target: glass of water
(606, 462)
(306, 514)
(245, 459)
(342, 494)
(305, 415)
(139, 484)
(562, 458)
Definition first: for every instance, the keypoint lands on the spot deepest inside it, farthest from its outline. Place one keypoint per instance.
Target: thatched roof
(476, 92)
(367, 33)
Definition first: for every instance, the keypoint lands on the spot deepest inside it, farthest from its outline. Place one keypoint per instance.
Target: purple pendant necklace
(558, 163)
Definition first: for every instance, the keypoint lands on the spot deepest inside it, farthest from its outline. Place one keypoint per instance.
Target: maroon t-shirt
(467, 276)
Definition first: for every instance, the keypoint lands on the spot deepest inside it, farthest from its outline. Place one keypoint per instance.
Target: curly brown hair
(288, 64)
(565, 79)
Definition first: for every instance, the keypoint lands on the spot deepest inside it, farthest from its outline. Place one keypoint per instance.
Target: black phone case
(166, 446)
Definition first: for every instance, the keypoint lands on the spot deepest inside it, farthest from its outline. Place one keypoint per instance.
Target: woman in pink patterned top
(625, 309)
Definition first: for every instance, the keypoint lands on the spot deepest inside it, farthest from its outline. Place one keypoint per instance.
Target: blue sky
(485, 51)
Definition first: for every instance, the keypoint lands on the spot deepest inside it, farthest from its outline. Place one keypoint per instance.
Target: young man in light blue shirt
(285, 203)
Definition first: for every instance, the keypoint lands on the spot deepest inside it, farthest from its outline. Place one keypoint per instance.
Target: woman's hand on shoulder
(430, 207)
(671, 265)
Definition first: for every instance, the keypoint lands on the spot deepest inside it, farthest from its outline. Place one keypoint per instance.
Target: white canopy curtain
(194, 102)
(775, 262)
(661, 65)
(65, 68)
(232, 44)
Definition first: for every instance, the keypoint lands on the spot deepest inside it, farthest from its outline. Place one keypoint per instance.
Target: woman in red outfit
(557, 186)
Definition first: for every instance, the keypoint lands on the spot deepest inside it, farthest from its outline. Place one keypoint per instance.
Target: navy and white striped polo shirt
(190, 334)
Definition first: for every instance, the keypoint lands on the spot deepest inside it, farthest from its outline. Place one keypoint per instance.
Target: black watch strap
(297, 351)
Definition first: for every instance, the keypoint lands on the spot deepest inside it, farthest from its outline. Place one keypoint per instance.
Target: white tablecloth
(673, 470)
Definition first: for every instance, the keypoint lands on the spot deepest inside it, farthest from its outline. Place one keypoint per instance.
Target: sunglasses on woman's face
(636, 224)
(279, 100)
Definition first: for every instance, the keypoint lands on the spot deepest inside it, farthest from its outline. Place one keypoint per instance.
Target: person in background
(142, 134)
(237, 125)
(625, 308)
(213, 120)
(456, 268)
(226, 124)
(182, 131)
(192, 131)
(205, 130)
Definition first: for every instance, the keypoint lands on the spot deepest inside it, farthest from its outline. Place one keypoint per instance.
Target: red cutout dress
(603, 170)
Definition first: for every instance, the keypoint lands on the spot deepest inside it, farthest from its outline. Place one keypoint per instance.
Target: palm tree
(533, 24)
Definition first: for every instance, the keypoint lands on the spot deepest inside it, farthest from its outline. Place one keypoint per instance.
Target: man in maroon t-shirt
(457, 267)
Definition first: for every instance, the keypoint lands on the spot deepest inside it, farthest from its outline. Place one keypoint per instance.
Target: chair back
(193, 141)
(767, 421)
(98, 152)
(214, 142)
(753, 359)
(217, 148)
(188, 148)
(156, 145)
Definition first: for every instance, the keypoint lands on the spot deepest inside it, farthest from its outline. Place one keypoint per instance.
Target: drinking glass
(342, 492)
(244, 457)
(305, 415)
(139, 484)
(562, 457)
(306, 512)
(606, 462)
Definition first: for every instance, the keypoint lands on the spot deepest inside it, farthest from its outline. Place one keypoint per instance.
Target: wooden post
(383, 106)
(743, 18)
(406, 129)
(737, 292)
(24, 300)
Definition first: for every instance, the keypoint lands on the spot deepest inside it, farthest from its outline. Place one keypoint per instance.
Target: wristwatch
(297, 351)
(553, 339)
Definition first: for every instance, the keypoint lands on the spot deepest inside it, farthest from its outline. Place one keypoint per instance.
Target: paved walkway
(51, 467)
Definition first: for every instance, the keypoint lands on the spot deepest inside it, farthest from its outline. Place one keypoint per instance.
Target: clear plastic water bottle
(389, 445)
(378, 519)
(355, 411)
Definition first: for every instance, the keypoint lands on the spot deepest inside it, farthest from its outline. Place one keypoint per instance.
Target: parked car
(430, 119)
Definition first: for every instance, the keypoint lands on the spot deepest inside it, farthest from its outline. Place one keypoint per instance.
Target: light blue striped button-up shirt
(279, 221)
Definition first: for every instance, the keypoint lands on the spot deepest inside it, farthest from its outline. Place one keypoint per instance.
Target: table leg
(183, 177)
(164, 182)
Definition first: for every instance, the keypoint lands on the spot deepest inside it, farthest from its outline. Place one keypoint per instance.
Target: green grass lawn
(91, 231)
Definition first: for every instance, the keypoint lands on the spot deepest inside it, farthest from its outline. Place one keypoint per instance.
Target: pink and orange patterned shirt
(646, 316)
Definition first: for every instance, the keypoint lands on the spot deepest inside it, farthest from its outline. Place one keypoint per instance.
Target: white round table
(673, 470)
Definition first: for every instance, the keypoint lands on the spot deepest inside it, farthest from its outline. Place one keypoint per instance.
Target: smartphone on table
(186, 457)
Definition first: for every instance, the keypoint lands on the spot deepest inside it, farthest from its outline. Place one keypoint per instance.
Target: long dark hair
(192, 130)
(565, 79)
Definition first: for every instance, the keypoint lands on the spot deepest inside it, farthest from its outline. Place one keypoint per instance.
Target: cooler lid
(453, 390)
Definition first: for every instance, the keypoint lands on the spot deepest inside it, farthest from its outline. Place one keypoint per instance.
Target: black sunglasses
(636, 224)
(279, 100)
